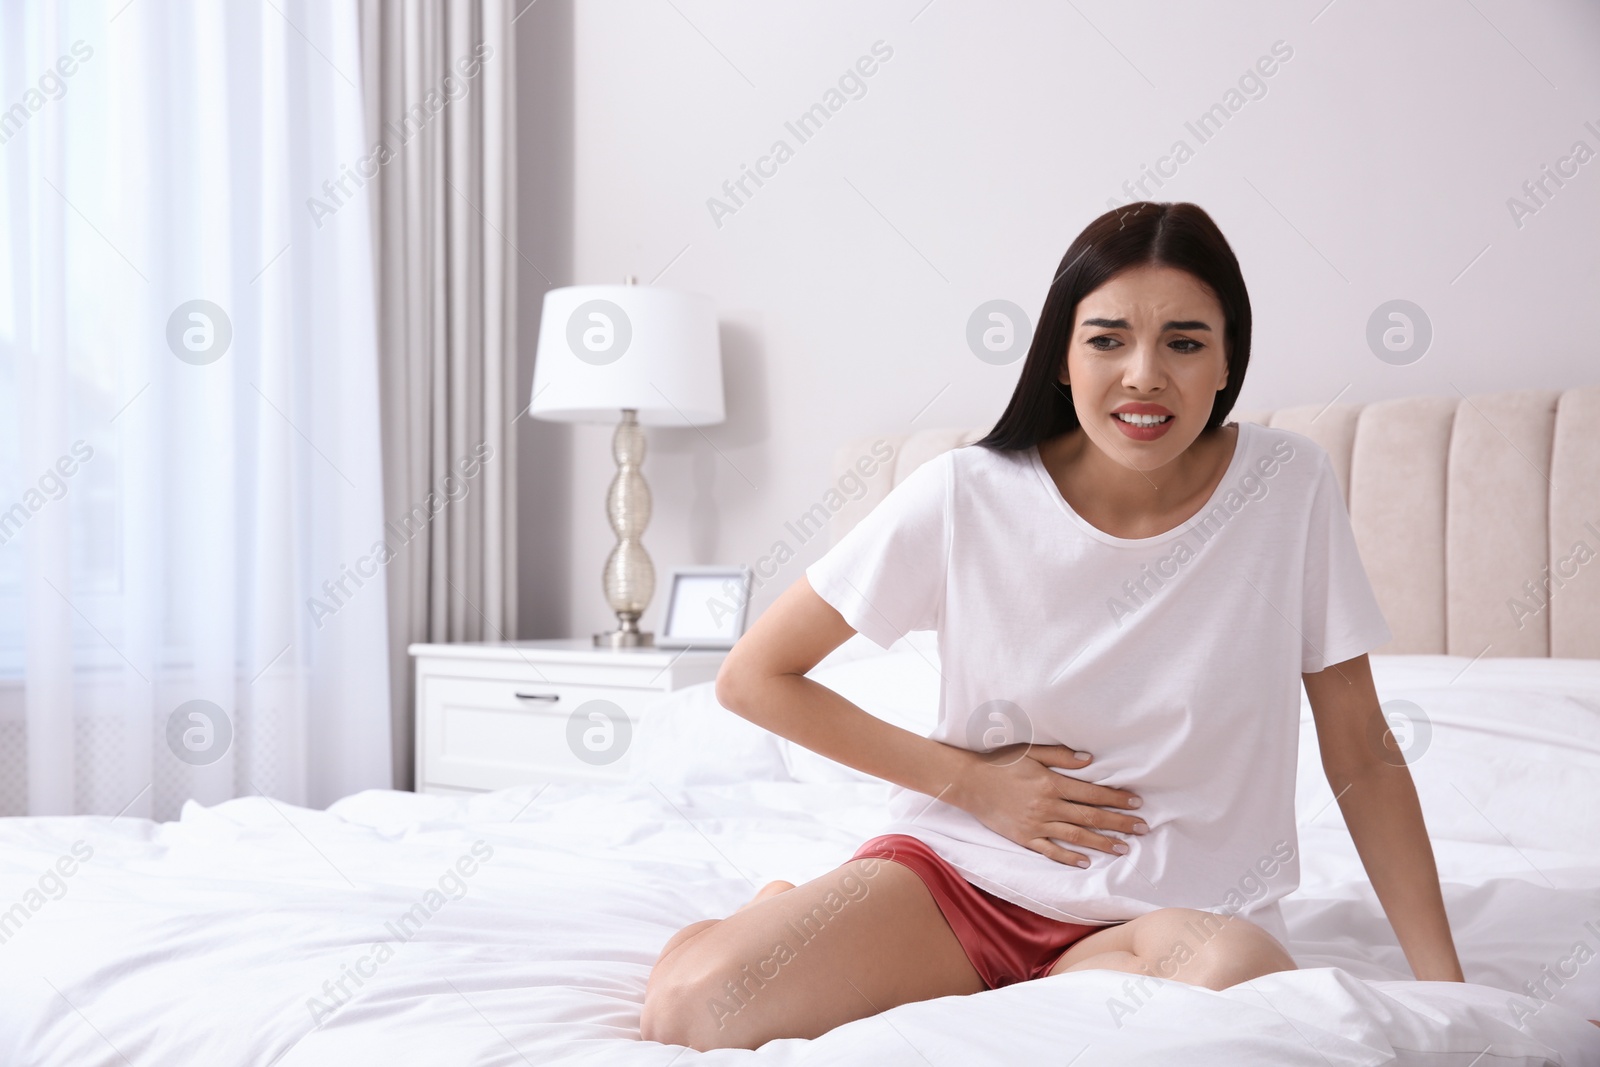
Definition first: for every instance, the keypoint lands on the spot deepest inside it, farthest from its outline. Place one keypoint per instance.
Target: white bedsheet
(204, 941)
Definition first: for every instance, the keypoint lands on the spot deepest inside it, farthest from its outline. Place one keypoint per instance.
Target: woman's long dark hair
(1177, 235)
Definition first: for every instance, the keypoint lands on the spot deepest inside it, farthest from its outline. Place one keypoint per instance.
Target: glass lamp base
(625, 639)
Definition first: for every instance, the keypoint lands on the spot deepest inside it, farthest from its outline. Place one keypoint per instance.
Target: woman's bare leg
(770, 889)
(1186, 944)
(863, 938)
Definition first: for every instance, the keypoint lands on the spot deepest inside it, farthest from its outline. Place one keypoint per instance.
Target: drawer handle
(552, 697)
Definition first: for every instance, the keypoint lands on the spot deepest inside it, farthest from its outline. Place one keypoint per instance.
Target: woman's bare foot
(771, 889)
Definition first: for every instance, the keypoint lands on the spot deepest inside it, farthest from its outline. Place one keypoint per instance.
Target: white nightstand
(498, 714)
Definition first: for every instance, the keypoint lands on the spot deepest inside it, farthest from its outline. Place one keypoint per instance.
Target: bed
(518, 927)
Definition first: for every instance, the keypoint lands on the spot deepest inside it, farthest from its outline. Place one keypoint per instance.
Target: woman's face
(1149, 342)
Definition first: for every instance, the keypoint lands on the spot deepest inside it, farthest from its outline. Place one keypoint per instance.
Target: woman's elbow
(731, 684)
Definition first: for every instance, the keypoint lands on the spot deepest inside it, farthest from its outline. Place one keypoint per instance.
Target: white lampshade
(603, 348)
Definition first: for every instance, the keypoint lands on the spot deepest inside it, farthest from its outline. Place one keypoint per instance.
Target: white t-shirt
(1174, 659)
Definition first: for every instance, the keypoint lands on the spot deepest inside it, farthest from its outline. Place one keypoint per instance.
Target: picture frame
(707, 607)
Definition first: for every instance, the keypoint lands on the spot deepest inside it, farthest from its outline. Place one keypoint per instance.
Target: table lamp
(644, 356)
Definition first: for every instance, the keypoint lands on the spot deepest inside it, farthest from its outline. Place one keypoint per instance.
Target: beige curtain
(440, 180)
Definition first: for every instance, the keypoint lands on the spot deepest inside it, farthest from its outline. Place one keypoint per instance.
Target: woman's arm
(763, 680)
(1380, 807)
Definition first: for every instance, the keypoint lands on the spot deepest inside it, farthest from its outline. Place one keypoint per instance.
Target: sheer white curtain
(191, 597)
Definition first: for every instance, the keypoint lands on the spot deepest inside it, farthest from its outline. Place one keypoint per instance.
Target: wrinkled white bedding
(225, 937)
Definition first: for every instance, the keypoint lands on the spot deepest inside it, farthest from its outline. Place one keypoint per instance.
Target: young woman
(1128, 593)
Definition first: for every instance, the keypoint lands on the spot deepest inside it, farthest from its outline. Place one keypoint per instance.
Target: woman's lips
(1143, 433)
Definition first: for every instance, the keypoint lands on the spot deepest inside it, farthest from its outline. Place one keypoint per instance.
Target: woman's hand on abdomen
(1013, 792)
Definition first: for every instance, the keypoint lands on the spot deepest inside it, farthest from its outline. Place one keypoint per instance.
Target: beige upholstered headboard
(1463, 508)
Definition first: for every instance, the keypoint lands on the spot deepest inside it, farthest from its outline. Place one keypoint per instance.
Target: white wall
(1378, 164)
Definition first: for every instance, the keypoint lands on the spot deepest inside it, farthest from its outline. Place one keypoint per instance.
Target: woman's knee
(698, 995)
(680, 1005)
(773, 969)
(1211, 950)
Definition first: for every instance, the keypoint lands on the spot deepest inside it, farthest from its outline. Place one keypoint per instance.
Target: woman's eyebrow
(1175, 324)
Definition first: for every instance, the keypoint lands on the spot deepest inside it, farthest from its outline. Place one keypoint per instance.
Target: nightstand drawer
(482, 733)
(496, 714)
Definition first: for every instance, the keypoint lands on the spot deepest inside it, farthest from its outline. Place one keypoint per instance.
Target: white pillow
(687, 738)
(1502, 749)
